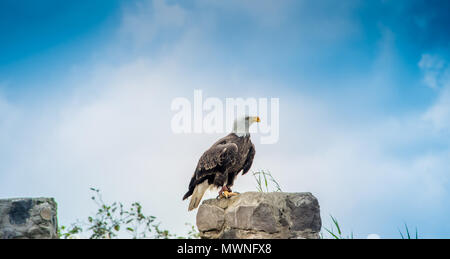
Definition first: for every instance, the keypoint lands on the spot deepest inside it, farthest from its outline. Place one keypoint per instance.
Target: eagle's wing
(218, 156)
(222, 153)
(249, 160)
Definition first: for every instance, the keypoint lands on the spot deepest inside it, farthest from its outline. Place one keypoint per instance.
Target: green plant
(264, 179)
(110, 220)
(338, 234)
(407, 234)
(192, 232)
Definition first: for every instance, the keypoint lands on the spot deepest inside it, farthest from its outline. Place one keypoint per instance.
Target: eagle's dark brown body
(220, 164)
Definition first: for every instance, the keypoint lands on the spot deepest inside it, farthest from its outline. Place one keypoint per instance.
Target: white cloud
(439, 114)
(5, 113)
(10, 126)
(437, 76)
(435, 69)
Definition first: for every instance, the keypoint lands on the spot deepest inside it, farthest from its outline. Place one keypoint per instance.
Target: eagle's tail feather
(199, 190)
(187, 194)
(191, 188)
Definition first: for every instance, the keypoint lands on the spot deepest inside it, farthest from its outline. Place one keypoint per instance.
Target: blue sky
(364, 88)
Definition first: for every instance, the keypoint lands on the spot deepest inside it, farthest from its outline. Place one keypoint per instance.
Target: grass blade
(331, 233)
(407, 231)
(336, 224)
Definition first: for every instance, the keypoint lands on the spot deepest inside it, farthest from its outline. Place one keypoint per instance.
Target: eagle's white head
(242, 125)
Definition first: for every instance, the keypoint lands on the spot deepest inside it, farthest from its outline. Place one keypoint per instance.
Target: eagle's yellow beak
(257, 119)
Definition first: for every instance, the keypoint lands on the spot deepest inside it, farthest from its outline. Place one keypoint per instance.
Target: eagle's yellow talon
(221, 195)
(228, 194)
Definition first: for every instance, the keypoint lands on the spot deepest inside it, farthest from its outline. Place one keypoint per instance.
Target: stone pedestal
(28, 218)
(260, 215)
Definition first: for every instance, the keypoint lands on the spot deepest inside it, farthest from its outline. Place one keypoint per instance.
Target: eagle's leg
(230, 181)
(226, 181)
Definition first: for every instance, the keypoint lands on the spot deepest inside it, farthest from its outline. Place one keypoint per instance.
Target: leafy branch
(114, 219)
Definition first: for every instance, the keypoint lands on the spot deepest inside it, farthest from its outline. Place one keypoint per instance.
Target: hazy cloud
(148, 19)
(436, 71)
(437, 76)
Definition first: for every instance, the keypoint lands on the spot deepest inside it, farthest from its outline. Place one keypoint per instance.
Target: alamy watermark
(214, 115)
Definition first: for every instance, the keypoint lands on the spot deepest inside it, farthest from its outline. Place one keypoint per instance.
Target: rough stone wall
(260, 215)
(28, 218)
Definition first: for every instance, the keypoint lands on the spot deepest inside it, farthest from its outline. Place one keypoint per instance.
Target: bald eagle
(222, 162)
